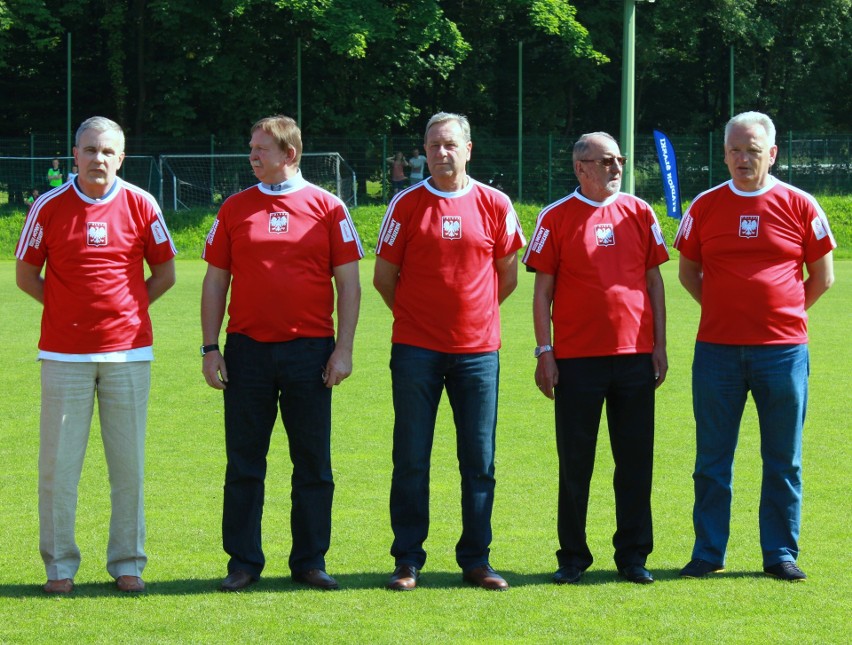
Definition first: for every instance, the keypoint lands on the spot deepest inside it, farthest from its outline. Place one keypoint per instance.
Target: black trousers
(264, 378)
(626, 384)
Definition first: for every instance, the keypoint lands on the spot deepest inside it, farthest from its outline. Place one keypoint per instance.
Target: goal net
(19, 176)
(204, 180)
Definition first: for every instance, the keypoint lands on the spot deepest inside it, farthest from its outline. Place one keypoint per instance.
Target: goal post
(207, 180)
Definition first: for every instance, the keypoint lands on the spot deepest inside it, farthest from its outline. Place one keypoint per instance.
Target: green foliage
(185, 468)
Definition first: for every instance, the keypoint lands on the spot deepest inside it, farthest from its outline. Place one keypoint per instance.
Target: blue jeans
(722, 376)
(419, 377)
(262, 378)
(626, 383)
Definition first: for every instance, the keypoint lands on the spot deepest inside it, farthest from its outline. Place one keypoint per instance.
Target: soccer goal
(206, 180)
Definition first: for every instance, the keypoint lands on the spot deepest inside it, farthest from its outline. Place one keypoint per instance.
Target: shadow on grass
(348, 582)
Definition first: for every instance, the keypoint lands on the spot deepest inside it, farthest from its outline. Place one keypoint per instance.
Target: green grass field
(185, 470)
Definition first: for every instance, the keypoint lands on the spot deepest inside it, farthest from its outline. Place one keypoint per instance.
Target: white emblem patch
(451, 227)
(346, 231)
(819, 228)
(604, 235)
(279, 223)
(96, 233)
(158, 232)
(748, 225)
(511, 223)
(658, 234)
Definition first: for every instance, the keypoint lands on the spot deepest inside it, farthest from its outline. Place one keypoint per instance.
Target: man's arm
(546, 372)
(507, 276)
(385, 278)
(657, 295)
(162, 279)
(348, 284)
(214, 293)
(820, 278)
(29, 280)
(691, 277)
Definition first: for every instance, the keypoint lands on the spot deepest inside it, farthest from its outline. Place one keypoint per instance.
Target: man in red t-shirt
(446, 258)
(742, 246)
(94, 235)
(277, 246)
(596, 254)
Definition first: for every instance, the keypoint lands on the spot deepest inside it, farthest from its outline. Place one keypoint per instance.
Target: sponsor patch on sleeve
(819, 227)
(346, 231)
(658, 234)
(511, 222)
(158, 232)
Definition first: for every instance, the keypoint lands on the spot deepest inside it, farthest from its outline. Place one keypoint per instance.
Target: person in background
(280, 247)
(743, 246)
(418, 164)
(398, 166)
(596, 255)
(54, 174)
(96, 343)
(445, 260)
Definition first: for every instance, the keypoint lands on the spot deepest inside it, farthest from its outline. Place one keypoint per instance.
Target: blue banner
(668, 169)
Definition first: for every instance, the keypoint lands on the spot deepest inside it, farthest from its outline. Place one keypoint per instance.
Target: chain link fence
(537, 171)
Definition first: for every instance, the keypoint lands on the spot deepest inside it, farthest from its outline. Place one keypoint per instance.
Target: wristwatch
(205, 349)
(541, 349)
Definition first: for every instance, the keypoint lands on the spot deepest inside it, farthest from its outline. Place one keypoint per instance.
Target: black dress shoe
(403, 578)
(567, 575)
(237, 580)
(316, 578)
(636, 573)
(486, 578)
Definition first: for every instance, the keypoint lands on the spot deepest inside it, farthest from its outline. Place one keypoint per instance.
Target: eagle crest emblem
(748, 225)
(279, 222)
(604, 235)
(451, 227)
(96, 233)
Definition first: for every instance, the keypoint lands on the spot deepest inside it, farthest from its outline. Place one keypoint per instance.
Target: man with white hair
(96, 341)
(742, 248)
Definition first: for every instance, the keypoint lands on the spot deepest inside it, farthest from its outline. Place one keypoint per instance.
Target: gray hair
(441, 117)
(581, 148)
(100, 124)
(752, 118)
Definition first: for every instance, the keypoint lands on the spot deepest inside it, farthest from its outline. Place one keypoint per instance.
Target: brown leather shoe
(130, 583)
(404, 578)
(486, 578)
(64, 585)
(316, 578)
(237, 580)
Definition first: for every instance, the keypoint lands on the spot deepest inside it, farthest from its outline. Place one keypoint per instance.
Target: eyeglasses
(606, 162)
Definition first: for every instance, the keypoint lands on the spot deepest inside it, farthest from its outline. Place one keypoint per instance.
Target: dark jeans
(263, 377)
(626, 383)
(722, 376)
(419, 377)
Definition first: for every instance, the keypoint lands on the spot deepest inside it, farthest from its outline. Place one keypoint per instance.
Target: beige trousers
(68, 392)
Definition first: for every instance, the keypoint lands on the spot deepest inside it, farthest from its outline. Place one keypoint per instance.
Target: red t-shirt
(446, 245)
(751, 247)
(281, 248)
(95, 298)
(599, 254)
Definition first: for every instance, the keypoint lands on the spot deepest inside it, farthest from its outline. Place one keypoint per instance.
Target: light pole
(628, 75)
